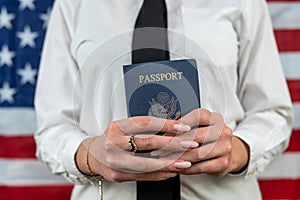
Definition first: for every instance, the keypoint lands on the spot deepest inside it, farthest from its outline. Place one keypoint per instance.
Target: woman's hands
(219, 152)
(178, 150)
(110, 155)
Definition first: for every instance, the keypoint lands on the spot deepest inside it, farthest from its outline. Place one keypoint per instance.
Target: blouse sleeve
(262, 89)
(57, 100)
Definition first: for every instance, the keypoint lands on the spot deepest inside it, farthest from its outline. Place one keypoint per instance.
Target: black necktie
(152, 14)
(151, 44)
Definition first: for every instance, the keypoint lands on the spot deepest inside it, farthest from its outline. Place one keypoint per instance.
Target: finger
(141, 164)
(199, 135)
(142, 124)
(186, 145)
(162, 153)
(202, 135)
(205, 152)
(164, 143)
(118, 176)
(153, 176)
(201, 117)
(124, 144)
(131, 163)
(217, 167)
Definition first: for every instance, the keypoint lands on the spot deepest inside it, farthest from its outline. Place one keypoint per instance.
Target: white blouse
(81, 90)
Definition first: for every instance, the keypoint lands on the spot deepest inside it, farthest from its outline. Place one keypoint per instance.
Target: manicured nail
(170, 175)
(182, 165)
(189, 144)
(182, 127)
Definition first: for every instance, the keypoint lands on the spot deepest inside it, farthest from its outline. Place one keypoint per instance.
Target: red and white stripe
(281, 180)
(22, 175)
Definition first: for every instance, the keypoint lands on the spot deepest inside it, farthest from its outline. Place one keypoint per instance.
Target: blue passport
(164, 89)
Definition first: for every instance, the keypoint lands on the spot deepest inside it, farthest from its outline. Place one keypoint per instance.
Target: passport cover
(165, 89)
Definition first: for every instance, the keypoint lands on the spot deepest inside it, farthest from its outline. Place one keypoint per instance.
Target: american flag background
(22, 29)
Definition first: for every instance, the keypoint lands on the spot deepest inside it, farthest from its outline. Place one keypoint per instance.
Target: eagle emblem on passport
(164, 89)
(164, 107)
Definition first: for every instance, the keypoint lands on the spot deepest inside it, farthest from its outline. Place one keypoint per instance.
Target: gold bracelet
(87, 157)
(96, 177)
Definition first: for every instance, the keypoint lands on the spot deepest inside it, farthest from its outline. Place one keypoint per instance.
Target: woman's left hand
(219, 152)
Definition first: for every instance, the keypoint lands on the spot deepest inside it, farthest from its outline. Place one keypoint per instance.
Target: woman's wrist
(82, 157)
(240, 155)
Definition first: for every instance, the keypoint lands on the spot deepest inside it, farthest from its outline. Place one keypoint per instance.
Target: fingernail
(182, 165)
(170, 175)
(182, 127)
(189, 144)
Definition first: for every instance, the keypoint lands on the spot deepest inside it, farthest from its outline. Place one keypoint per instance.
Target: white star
(6, 56)
(6, 93)
(26, 4)
(28, 74)
(45, 18)
(5, 19)
(27, 37)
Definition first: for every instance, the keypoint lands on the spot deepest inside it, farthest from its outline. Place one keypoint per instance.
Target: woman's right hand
(110, 153)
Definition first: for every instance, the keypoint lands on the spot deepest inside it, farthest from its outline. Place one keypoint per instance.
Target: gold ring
(132, 144)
